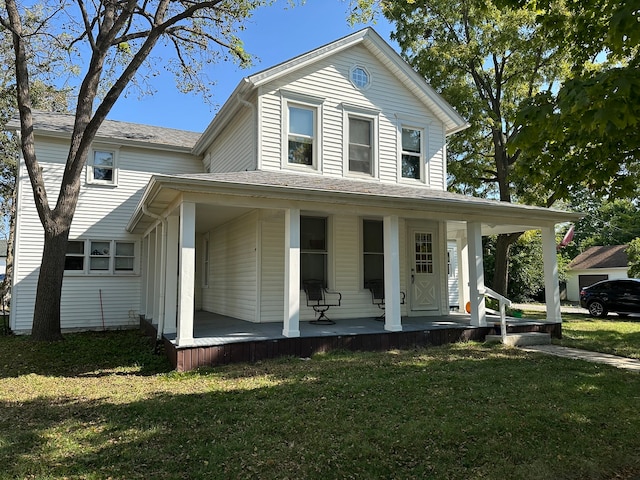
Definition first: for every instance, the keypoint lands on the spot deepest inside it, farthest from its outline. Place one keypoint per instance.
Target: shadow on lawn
(81, 354)
(436, 418)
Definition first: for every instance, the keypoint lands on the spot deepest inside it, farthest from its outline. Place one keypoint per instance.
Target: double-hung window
(301, 137)
(360, 140)
(301, 131)
(372, 251)
(361, 145)
(313, 249)
(102, 167)
(100, 257)
(412, 158)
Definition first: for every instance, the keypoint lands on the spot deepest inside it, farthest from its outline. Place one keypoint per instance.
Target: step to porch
(521, 339)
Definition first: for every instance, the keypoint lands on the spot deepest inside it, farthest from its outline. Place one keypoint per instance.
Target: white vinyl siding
(329, 80)
(98, 216)
(234, 150)
(233, 271)
(345, 267)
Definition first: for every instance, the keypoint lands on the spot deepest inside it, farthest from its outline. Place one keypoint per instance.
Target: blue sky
(274, 34)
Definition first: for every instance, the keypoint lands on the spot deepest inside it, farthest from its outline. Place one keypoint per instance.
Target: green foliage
(614, 222)
(597, 108)
(633, 253)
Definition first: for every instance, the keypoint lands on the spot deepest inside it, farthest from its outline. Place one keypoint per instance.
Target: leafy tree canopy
(586, 131)
(633, 253)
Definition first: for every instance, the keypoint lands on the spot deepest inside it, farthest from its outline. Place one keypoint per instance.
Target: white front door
(424, 278)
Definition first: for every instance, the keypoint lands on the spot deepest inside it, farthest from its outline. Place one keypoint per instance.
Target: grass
(100, 406)
(614, 335)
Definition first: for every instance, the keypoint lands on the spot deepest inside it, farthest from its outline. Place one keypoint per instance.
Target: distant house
(593, 265)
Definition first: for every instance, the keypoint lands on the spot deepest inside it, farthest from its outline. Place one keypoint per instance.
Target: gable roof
(601, 257)
(452, 120)
(61, 125)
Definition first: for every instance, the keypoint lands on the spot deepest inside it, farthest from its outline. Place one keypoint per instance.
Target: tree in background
(486, 61)
(633, 253)
(117, 38)
(586, 132)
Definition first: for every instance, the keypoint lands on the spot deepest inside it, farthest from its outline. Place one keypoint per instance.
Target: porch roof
(285, 187)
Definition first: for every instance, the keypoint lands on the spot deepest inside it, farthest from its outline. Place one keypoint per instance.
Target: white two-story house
(330, 166)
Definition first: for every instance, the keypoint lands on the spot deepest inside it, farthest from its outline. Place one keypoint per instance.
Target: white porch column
(160, 275)
(551, 284)
(291, 326)
(476, 275)
(463, 273)
(143, 270)
(171, 283)
(151, 275)
(186, 283)
(391, 235)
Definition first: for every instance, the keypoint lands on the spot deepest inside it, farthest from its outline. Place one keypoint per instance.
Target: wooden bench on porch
(321, 299)
(376, 287)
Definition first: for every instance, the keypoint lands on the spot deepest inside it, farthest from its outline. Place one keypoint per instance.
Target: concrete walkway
(576, 354)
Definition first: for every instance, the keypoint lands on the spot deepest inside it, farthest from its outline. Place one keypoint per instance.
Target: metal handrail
(504, 302)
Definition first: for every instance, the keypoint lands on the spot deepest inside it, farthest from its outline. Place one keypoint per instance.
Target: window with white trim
(102, 166)
(360, 145)
(313, 249)
(100, 257)
(301, 135)
(412, 153)
(360, 77)
(301, 131)
(372, 251)
(74, 260)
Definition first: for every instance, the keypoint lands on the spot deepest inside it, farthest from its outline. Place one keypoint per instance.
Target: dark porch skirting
(236, 341)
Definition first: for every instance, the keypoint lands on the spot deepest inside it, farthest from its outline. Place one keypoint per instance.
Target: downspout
(163, 273)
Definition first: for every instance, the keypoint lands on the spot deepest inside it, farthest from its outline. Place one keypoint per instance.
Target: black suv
(620, 296)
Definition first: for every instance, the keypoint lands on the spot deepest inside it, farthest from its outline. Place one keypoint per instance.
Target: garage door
(586, 280)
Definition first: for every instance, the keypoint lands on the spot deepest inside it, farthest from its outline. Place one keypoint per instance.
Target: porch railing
(504, 302)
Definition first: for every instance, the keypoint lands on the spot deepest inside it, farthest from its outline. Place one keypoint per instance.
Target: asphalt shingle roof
(601, 257)
(62, 123)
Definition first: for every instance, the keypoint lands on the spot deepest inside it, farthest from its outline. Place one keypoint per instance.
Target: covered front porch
(220, 340)
(248, 226)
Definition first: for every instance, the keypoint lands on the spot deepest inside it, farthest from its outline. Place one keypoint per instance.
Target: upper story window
(301, 131)
(361, 145)
(360, 77)
(301, 135)
(102, 167)
(412, 157)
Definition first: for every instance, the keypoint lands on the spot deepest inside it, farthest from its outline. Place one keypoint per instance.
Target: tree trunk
(501, 266)
(46, 315)
(8, 278)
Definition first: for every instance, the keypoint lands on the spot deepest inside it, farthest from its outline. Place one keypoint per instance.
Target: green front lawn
(101, 406)
(614, 335)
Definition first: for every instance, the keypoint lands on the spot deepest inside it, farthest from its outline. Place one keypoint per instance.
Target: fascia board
(463, 209)
(223, 116)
